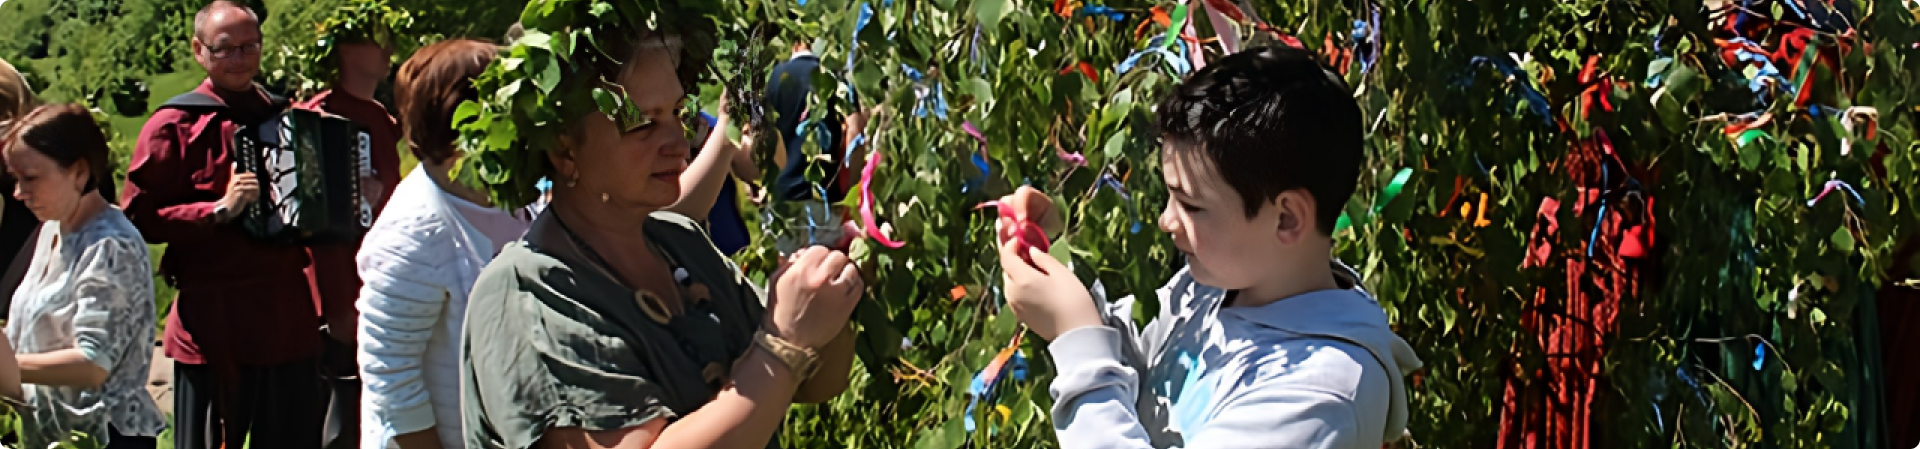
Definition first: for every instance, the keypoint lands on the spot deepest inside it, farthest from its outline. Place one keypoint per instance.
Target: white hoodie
(1317, 370)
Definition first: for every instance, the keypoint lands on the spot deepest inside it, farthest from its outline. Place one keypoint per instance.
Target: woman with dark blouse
(616, 324)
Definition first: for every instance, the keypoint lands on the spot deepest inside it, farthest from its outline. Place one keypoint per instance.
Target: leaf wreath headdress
(561, 68)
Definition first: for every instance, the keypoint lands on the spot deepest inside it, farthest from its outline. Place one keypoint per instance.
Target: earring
(574, 181)
(603, 197)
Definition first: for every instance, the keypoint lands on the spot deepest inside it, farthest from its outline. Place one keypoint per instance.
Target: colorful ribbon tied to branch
(1598, 88)
(1085, 68)
(867, 220)
(1366, 40)
(979, 159)
(1536, 102)
(1758, 68)
(1858, 117)
(1071, 158)
(1109, 182)
(853, 45)
(930, 99)
(1157, 14)
(1386, 197)
(1837, 185)
(1176, 60)
(1100, 11)
(1176, 22)
(1009, 363)
(1228, 9)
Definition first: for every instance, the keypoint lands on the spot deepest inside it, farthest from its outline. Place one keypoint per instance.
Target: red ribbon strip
(866, 204)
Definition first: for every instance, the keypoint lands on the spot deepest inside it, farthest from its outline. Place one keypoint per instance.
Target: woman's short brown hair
(67, 134)
(430, 87)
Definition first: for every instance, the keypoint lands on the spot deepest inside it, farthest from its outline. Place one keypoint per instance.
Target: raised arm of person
(700, 185)
(743, 165)
(624, 409)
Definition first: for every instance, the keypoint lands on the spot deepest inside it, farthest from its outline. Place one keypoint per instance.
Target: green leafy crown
(357, 21)
(547, 80)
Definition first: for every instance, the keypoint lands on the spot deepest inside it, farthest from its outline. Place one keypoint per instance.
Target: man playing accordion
(242, 330)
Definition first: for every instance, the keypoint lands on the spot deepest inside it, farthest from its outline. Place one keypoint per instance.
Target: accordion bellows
(310, 165)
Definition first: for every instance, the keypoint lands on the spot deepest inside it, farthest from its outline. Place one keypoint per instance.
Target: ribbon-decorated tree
(1632, 223)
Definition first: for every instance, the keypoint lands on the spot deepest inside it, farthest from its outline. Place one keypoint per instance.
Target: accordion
(309, 165)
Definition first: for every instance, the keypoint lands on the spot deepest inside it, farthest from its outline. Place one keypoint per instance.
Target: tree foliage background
(1742, 316)
(1745, 318)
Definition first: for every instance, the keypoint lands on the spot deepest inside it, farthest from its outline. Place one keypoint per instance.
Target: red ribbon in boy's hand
(1042, 291)
(1022, 215)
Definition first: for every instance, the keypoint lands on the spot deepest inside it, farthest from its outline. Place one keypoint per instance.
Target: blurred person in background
(710, 189)
(421, 258)
(18, 226)
(361, 59)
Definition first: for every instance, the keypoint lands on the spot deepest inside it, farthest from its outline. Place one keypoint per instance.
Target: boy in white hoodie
(1263, 340)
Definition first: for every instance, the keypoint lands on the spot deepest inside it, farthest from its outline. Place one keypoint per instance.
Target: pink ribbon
(1076, 159)
(975, 132)
(866, 204)
(1830, 187)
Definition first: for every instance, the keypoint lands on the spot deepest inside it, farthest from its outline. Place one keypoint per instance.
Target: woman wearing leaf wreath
(613, 324)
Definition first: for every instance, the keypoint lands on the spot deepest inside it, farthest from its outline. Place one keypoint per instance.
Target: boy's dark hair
(1270, 119)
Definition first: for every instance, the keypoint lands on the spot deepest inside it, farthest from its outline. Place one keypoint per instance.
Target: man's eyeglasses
(230, 51)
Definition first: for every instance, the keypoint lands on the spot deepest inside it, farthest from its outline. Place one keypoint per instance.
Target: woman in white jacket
(420, 260)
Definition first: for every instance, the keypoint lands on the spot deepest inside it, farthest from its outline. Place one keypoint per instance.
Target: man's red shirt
(241, 301)
(335, 279)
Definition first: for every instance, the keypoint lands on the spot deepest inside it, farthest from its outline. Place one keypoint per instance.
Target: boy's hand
(1036, 207)
(1046, 296)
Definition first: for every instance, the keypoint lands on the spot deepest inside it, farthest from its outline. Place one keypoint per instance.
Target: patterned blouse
(90, 289)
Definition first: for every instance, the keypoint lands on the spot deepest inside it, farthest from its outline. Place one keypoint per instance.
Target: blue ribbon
(818, 134)
(1654, 79)
(1536, 102)
(1841, 185)
(973, 51)
(1108, 181)
(1759, 355)
(856, 142)
(934, 102)
(983, 388)
(1605, 173)
(860, 23)
(1767, 70)
(979, 161)
(1177, 62)
(1100, 11)
(1368, 32)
